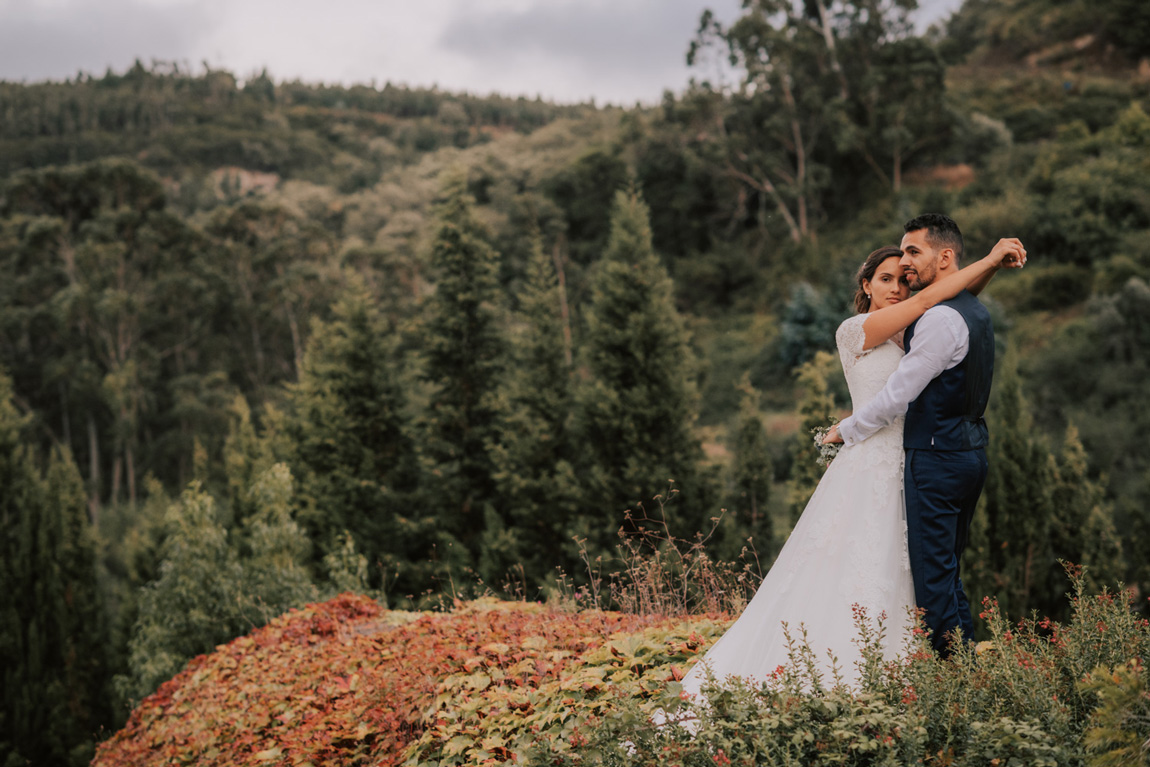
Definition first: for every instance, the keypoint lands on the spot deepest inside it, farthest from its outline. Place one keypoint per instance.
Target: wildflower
(722, 758)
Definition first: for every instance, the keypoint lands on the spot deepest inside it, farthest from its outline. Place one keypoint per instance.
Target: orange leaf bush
(348, 682)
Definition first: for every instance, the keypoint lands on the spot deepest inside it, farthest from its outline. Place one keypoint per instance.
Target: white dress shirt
(941, 341)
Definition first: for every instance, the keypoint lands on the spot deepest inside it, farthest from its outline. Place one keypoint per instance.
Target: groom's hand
(1013, 255)
(832, 436)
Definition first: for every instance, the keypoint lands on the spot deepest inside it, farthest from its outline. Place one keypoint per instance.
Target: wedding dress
(848, 548)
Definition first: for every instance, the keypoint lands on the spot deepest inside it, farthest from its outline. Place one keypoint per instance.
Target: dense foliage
(490, 682)
(346, 680)
(1037, 693)
(268, 341)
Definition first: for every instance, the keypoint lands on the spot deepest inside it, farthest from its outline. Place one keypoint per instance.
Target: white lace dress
(848, 548)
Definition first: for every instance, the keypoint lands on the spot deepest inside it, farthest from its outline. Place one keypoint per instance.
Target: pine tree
(638, 407)
(817, 408)
(1009, 555)
(1082, 525)
(52, 631)
(465, 356)
(750, 481)
(348, 427)
(534, 455)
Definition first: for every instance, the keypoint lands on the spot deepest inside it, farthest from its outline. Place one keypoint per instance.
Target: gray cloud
(611, 50)
(617, 44)
(56, 41)
(597, 36)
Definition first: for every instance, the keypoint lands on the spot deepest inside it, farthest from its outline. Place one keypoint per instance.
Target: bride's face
(889, 285)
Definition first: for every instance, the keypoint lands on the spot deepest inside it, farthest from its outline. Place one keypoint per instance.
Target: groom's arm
(941, 341)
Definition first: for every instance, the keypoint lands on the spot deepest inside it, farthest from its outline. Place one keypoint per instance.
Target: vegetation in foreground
(348, 682)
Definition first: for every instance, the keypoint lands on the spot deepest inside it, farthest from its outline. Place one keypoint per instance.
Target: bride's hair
(866, 274)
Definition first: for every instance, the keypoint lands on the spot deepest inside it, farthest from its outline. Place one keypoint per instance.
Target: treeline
(173, 120)
(267, 341)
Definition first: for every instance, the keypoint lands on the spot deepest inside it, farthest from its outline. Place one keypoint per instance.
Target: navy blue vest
(948, 413)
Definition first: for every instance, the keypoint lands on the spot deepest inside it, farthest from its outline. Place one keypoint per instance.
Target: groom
(942, 384)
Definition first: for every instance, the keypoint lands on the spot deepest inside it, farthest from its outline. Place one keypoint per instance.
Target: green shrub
(1037, 693)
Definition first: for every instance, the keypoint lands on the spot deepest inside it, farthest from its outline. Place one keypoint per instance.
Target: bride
(847, 553)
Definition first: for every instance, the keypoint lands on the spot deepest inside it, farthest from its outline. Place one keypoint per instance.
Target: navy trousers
(942, 489)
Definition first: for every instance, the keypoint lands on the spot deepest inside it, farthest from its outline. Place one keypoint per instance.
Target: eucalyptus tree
(101, 313)
(817, 83)
(278, 270)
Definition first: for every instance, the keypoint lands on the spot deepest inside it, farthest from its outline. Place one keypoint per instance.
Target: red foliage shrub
(343, 681)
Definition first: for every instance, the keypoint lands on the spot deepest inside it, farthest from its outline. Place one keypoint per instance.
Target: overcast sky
(618, 51)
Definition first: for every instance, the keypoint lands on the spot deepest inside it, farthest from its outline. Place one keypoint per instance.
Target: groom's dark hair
(941, 231)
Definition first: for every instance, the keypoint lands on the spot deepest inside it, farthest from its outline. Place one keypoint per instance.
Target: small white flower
(828, 451)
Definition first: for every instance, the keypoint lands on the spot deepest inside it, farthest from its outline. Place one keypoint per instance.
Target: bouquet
(827, 452)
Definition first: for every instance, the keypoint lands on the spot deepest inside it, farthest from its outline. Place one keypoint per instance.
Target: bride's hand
(832, 436)
(1009, 252)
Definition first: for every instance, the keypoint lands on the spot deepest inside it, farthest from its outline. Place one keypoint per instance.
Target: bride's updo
(866, 274)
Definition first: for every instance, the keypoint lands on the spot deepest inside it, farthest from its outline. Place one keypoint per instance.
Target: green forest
(264, 342)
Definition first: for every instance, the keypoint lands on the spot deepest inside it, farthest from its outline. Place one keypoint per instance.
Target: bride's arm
(982, 281)
(883, 323)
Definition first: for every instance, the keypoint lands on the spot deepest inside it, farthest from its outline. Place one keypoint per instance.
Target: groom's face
(919, 259)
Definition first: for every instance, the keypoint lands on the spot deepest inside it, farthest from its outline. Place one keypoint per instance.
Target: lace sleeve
(850, 338)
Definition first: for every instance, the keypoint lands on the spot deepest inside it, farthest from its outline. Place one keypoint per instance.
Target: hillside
(263, 342)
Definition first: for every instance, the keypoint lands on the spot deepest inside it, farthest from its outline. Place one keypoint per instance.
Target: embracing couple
(887, 525)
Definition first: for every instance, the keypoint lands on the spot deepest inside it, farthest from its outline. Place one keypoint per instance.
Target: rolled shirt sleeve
(941, 341)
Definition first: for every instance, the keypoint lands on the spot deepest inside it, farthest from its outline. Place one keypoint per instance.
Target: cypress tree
(351, 448)
(638, 406)
(465, 350)
(1082, 526)
(52, 632)
(817, 408)
(1009, 554)
(534, 455)
(750, 481)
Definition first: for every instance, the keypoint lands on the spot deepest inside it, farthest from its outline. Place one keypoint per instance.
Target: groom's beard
(919, 280)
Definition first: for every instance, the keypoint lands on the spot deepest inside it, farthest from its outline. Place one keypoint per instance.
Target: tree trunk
(896, 170)
(765, 185)
(829, 38)
(559, 260)
(257, 375)
(117, 467)
(296, 343)
(93, 471)
(130, 463)
(800, 158)
(66, 421)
